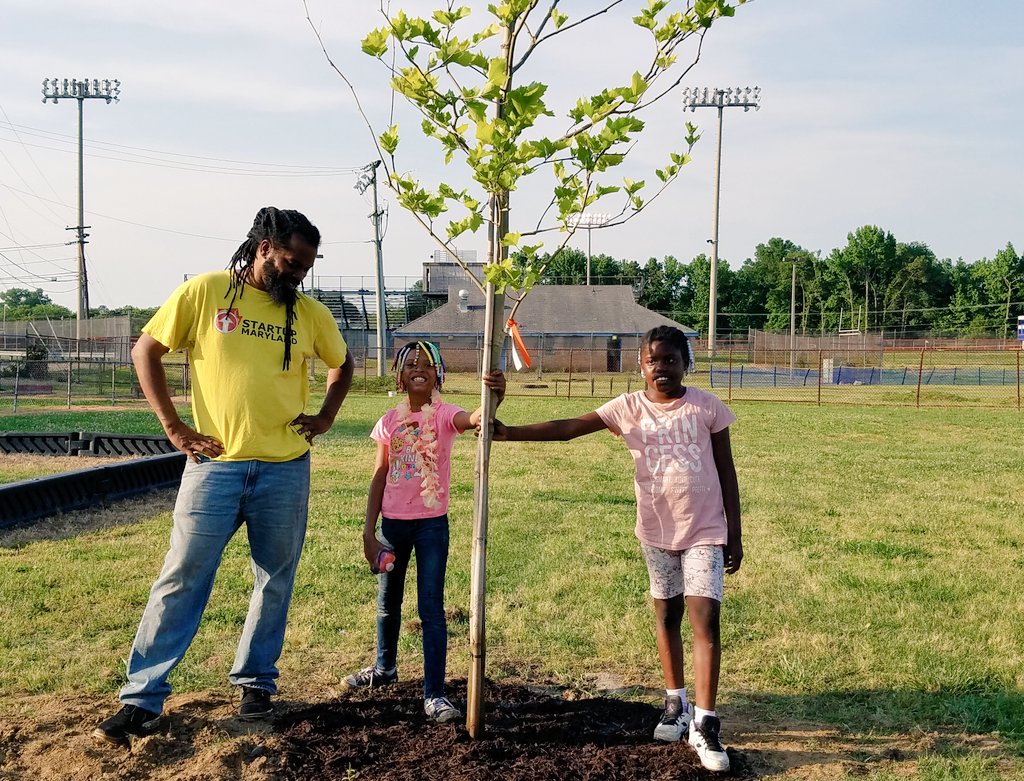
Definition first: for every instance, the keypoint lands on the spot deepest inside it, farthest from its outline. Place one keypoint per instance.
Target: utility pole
(793, 259)
(711, 97)
(368, 178)
(81, 90)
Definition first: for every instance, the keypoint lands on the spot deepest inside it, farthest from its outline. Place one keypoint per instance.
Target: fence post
(591, 383)
(366, 351)
(730, 375)
(17, 378)
(920, 371)
(569, 392)
(1018, 380)
(113, 384)
(820, 365)
(69, 384)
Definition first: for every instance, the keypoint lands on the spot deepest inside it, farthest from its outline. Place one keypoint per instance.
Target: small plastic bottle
(385, 561)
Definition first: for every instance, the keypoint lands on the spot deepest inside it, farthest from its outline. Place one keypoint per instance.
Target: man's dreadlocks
(277, 226)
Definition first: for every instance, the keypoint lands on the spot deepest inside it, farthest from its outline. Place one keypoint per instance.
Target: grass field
(881, 592)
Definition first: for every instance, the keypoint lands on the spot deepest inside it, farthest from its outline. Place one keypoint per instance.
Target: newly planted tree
(469, 87)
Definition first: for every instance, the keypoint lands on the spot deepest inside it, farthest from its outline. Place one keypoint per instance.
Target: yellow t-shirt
(241, 393)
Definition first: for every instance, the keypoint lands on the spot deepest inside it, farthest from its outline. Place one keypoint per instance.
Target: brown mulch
(531, 734)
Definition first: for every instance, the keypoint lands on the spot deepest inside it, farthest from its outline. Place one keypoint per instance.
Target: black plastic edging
(85, 443)
(29, 500)
(56, 444)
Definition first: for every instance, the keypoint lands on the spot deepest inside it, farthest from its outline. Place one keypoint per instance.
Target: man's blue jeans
(216, 498)
(428, 537)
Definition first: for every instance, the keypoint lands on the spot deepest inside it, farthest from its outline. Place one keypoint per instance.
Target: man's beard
(279, 288)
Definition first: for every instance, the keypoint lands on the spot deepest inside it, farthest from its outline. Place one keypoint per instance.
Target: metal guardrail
(29, 500)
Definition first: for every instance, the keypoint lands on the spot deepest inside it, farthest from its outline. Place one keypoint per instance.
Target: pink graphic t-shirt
(678, 495)
(402, 498)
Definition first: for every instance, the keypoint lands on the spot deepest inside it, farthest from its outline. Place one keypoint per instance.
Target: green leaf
(389, 139)
(639, 86)
(558, 18)
(376, 42)
(497, 72)
(477, 110)
(633, 187)
(510, 239)
(484, 132)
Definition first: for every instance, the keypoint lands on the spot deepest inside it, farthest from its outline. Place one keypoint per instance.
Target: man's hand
(733, 556)
(496, 382)
(500, 431)
(310, 426)
(192, 443)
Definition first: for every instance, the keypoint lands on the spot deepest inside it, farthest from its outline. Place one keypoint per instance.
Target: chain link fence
(879, 375)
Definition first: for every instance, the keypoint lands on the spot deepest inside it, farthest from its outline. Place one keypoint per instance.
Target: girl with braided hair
(409, 493)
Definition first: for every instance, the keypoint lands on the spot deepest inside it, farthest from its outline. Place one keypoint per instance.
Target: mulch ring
(531, 735)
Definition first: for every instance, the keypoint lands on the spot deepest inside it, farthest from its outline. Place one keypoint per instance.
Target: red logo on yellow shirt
(226, 320)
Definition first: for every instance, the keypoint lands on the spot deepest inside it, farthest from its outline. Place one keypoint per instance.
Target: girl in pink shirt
(409, 494)
(688, 519)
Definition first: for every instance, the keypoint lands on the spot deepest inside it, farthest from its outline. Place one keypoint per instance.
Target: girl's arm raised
(371, 545)
(722, 450)
(551, 430)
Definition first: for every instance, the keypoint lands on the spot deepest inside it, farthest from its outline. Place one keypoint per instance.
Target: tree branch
(538, 39)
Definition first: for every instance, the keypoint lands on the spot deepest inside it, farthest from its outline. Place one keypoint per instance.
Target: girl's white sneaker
(704, 738)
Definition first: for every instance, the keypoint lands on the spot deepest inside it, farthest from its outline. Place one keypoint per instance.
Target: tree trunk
(494, 335)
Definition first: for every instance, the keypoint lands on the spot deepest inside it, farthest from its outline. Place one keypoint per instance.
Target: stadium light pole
(588, 221)
(81, 90)
(793, 259)
(712, 97)
(368, 178)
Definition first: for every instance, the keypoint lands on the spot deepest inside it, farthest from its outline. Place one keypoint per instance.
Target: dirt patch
(49, 739)
(533, 732)
(530, 735)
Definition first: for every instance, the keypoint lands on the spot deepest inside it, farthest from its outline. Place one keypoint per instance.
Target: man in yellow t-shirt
(250, 336)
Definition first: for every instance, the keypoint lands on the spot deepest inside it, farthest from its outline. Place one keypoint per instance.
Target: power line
(201, 169)
(32, 160)
(157, 162)
(17, 247)
(56, 136)
(94, 213)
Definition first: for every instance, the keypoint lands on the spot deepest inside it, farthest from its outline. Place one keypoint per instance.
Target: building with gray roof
(587, 328)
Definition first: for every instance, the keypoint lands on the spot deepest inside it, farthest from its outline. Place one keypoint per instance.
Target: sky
(906, 115)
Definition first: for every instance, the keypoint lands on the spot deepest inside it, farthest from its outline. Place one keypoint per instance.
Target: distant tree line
(873, 283)
(23, 304)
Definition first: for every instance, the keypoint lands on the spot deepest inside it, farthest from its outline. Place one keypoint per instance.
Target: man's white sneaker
(441, 710)
(704, 738)
(674, 720)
